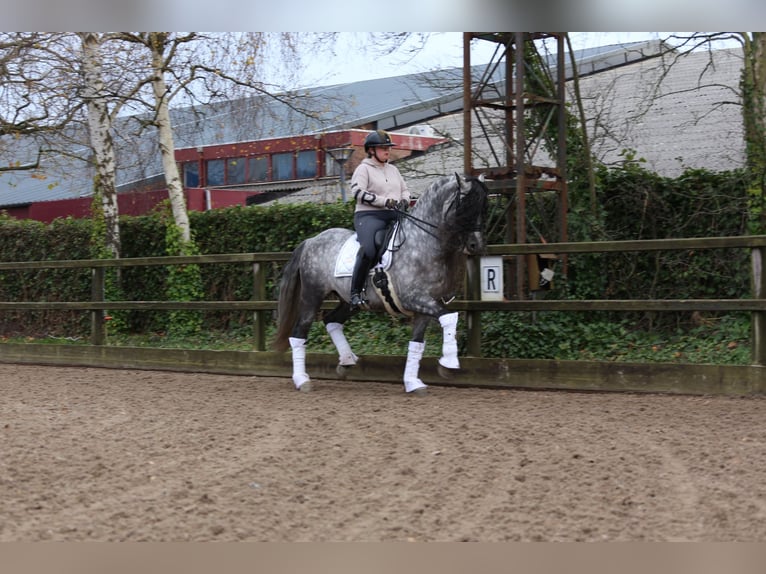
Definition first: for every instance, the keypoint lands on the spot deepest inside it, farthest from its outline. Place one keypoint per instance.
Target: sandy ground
(109, 455)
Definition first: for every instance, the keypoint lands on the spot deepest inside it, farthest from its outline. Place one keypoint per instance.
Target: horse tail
(289, 296)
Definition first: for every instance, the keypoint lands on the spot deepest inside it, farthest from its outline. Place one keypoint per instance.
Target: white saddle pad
(344, 264)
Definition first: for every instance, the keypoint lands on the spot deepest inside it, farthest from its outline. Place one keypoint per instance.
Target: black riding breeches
(367, 224)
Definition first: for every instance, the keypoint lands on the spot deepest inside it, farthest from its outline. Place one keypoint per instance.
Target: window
(258, 169)
(330, 165)
(191, 174)
(307, 164)
(282, 163)
(235, 170)
(215, 168)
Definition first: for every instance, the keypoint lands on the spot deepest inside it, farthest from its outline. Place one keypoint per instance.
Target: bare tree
(52, 83)
(29, 60)
(197, 68)
(89, 77)
(31, 116)
(752, 98)
(753, 87)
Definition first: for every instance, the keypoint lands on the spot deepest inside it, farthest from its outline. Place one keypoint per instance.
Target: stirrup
(358, 301)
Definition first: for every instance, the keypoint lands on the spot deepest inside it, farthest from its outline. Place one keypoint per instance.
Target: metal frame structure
(515, 175)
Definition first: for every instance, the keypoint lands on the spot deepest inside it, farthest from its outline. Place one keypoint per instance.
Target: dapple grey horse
(432, 243)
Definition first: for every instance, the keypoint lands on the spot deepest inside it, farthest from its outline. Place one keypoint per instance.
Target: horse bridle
(421, 224)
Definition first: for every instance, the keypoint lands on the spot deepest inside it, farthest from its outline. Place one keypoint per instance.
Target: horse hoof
(342, 370)
(446, 373)
(306, 387)
(421, 392)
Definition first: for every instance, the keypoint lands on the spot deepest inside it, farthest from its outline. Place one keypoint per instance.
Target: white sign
(492, 278)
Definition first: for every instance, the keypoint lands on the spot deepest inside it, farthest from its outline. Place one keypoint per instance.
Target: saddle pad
(344, 264)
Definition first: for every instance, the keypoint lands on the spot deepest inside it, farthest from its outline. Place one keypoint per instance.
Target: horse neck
(428, 244)
(430, 206)
(428, 224)
(431, 228)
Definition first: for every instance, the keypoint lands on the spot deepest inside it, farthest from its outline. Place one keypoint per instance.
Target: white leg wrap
(299, 361)
(414, 354)
(346, 356)
(449, 341)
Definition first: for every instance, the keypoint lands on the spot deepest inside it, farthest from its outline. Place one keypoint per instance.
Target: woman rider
(379, 190)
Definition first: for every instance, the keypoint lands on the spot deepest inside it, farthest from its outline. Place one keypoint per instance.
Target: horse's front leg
(449, 359)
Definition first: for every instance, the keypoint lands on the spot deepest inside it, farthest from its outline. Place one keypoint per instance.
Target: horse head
(470, 213)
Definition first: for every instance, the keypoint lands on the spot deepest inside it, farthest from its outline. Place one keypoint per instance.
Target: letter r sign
(492, 278)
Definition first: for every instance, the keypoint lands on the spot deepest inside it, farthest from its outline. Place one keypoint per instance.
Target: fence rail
(260, 306)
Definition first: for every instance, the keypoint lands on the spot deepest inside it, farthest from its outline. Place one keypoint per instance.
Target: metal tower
(523, 109)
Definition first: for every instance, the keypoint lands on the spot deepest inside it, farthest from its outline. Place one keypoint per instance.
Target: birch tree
(99, 121)
(200, 68)
(162, 47)
(51, 83)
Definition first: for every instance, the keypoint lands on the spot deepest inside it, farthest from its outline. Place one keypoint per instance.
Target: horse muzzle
(474, 244)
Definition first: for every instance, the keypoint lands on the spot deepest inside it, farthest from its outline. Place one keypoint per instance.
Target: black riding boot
(358, 279)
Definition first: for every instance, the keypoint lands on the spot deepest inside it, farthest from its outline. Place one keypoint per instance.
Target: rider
(379, 190)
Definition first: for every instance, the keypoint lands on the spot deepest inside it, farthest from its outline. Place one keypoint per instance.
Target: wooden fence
(704, 378)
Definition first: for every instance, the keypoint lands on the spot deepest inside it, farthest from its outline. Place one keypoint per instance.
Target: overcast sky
(442, 50)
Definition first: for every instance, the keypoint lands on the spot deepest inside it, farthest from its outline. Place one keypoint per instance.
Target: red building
(224, 175)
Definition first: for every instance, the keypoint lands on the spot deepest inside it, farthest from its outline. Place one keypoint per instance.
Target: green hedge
(634, 203)
(638, 204)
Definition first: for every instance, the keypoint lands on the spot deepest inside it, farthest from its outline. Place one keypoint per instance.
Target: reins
(422, 224)
(419, 223)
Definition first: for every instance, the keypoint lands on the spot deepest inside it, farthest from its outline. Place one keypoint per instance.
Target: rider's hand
(403, 205)
(391, 203)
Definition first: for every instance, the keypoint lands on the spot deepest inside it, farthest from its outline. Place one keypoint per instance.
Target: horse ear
(462, 184)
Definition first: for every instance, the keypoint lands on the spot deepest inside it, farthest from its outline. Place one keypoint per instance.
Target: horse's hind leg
(300, 376)
(334, 324)
(306, 317)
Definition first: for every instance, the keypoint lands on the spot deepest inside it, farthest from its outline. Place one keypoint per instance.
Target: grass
(557, 336)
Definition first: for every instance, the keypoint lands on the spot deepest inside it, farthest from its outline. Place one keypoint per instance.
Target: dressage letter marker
(492, 278)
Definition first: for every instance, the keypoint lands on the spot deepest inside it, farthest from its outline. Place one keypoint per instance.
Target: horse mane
(466, 211)
(470, 208)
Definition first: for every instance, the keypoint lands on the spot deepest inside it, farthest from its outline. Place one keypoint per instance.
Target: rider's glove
(391, 203)
(403, 205)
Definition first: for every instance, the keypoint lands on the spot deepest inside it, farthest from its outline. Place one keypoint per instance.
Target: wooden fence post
(259, 317)
(758, 336)
(97, 324)
(473, 318)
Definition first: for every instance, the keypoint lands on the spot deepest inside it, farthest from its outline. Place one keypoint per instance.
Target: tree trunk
(754, 118)
(165, 132)
(100, 128)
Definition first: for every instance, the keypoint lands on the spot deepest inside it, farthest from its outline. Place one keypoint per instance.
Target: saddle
(344, 264)
(344, 267)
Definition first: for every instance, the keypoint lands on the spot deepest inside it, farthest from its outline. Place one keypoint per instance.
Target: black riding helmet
(378, 138)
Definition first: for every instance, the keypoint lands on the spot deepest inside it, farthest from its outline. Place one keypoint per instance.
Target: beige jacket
(374, 182)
